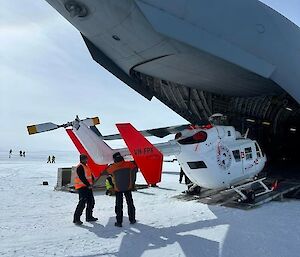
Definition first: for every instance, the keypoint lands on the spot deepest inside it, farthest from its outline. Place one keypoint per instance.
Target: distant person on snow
(83, 182)
(23, 153)
(123, 177)
(53, 159)
(49, 159)
(10, 153)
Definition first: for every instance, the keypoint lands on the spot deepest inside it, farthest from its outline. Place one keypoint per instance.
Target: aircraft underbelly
(246, 33)
(208, 73)
(230, 47)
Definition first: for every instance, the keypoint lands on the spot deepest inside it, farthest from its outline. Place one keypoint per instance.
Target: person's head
(118, 157)
(83, 158)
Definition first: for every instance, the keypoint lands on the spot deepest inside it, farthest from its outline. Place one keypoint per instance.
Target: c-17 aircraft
(212, 156)
(200, 57)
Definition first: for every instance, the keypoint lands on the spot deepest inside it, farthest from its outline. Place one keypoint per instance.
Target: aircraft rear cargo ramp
(288, 188)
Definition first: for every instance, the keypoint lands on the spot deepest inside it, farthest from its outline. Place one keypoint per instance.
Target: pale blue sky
(47, 74)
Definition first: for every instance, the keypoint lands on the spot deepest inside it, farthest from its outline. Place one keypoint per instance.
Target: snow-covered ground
(35, 220)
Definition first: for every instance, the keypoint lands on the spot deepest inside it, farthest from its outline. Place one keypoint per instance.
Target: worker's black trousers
(85, 197)
(119, 206)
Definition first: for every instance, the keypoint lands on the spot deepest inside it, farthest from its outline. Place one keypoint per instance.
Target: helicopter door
(247, 156)
(259, 157)
(259, 153)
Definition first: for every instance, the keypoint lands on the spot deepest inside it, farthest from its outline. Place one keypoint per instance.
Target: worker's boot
(76, 219)
(118, 224)
(77, 222)
(91, 219)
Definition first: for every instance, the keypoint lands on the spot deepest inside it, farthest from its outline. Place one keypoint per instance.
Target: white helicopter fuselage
(218, 158)
(212, 157)
(221, 160)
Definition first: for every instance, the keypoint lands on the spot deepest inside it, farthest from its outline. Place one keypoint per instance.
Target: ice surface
(35, 220)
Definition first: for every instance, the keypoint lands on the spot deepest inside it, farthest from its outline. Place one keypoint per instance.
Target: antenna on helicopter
(246, 134)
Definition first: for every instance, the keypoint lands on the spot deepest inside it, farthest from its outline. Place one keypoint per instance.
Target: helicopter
(212, 156)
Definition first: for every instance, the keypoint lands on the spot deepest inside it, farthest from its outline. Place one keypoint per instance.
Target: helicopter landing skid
(249, 195)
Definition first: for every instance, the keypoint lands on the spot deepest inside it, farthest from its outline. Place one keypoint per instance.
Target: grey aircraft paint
(233, 47)
(200, 57)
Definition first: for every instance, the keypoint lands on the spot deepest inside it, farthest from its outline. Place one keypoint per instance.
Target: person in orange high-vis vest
(123, 175)
(83, 182)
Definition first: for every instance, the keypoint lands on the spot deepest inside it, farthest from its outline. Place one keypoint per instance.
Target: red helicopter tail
(95, 168)
(147, 157)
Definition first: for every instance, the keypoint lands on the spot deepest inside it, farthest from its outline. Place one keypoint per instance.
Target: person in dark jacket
(83, 182)
(123, 174)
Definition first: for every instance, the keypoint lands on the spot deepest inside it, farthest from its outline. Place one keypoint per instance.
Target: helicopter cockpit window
(248, 153)
(236, 155)
(197, 165)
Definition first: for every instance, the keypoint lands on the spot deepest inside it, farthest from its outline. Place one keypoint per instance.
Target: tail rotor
(48, 126)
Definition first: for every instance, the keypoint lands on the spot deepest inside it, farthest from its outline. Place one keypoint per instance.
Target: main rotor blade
(157, 132)
(48, 126)
(43, 127)
(91, 121)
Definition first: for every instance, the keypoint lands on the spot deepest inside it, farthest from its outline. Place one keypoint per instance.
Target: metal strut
(238, 189)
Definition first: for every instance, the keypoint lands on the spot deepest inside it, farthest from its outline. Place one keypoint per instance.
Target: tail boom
(95, 168)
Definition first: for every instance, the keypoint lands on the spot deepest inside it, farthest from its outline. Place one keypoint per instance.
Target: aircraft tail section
(147, 157)
(99, 151)
(95, 168)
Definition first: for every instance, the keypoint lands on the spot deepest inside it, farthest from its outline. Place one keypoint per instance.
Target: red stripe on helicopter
(147, 157)
(95, 168)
